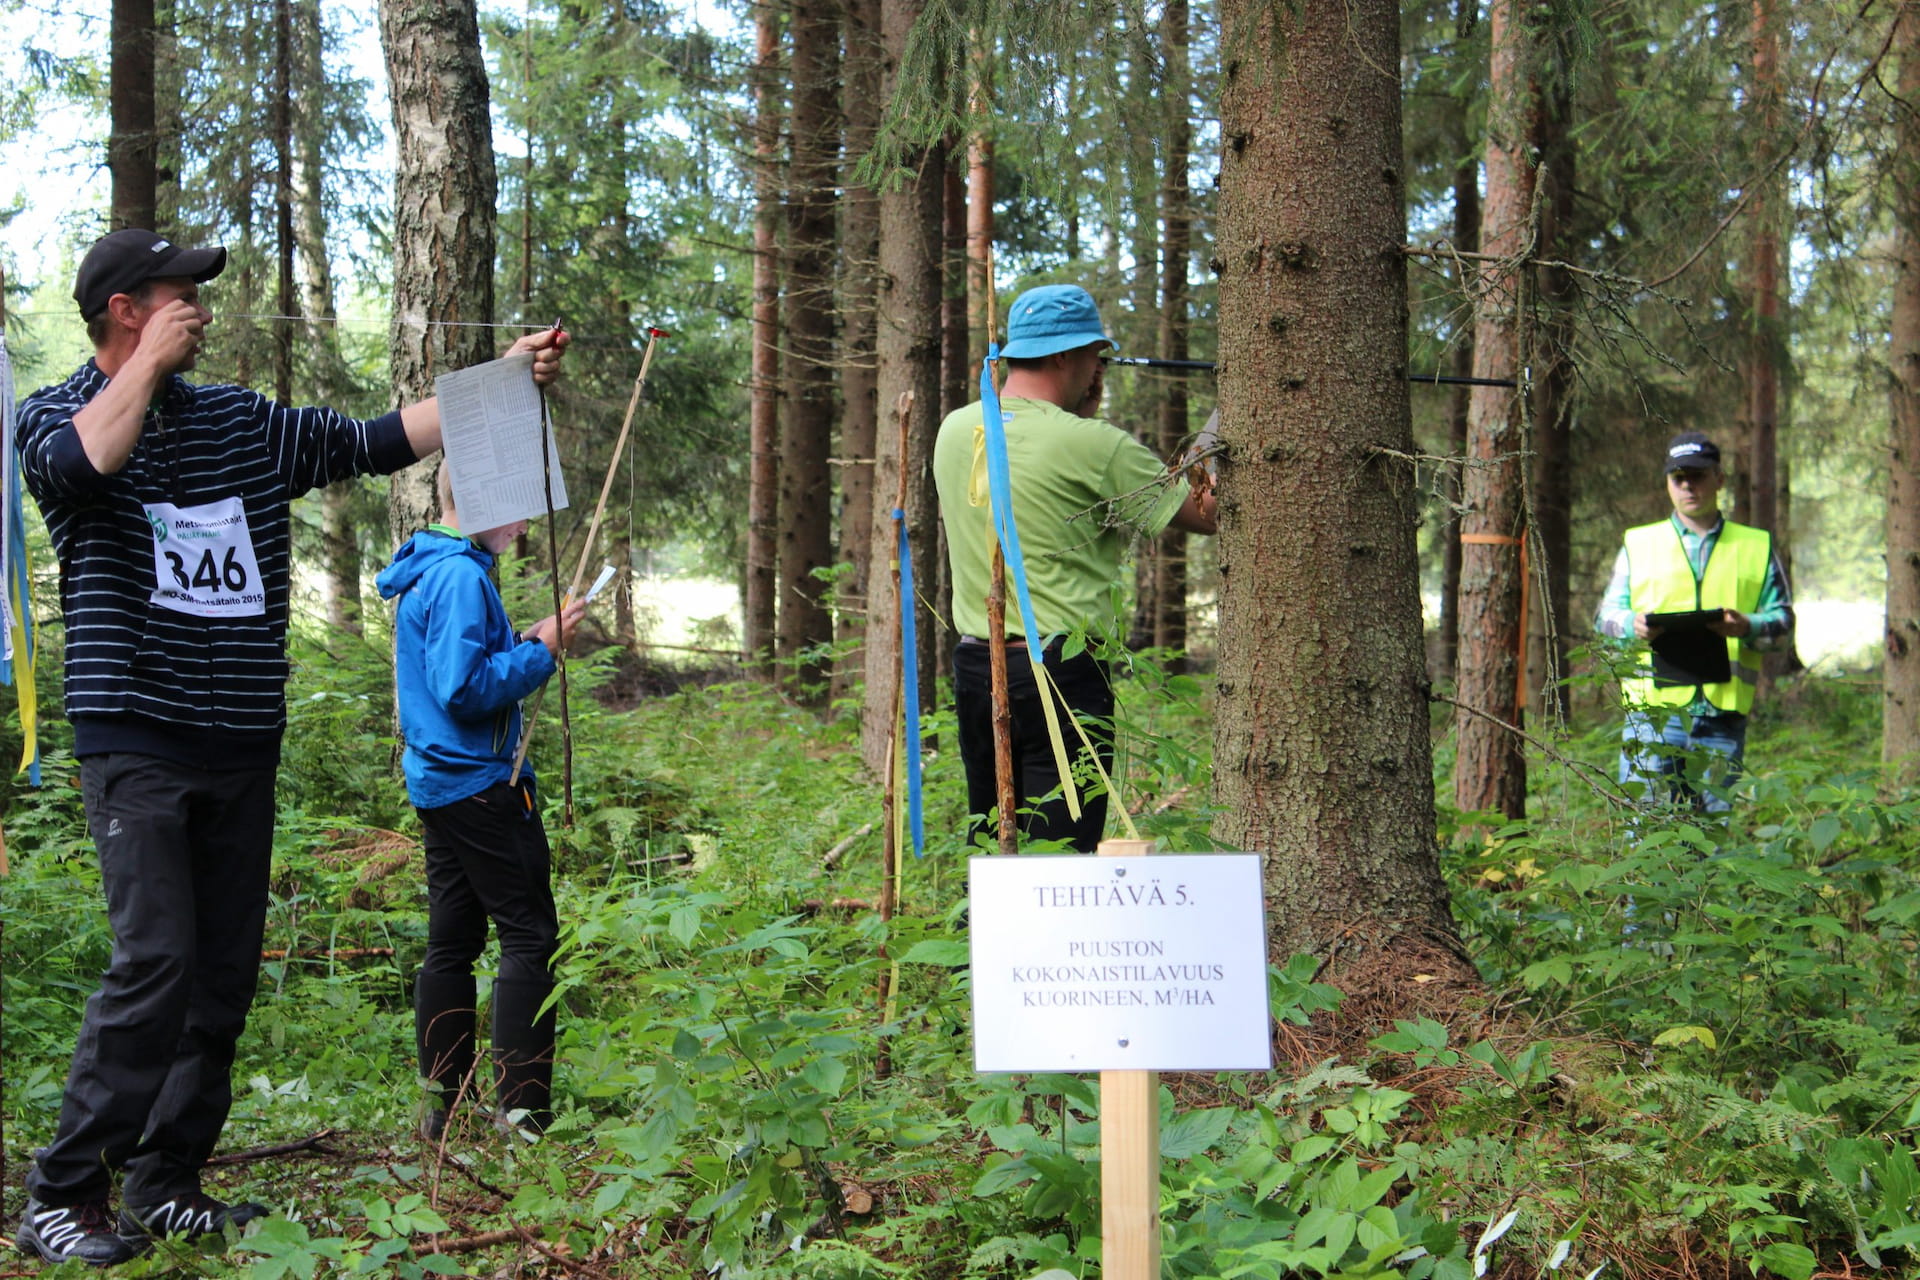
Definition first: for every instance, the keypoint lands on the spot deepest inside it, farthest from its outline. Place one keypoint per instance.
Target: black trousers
(184, 854)
(487, 860)
(1087, 690)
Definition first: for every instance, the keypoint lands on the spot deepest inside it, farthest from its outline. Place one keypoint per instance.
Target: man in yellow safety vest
(1705, 597)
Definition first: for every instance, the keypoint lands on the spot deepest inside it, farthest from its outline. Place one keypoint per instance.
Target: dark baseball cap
(122, 261)
(1691, 451)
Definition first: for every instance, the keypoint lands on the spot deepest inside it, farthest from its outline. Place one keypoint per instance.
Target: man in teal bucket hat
(1083, 490)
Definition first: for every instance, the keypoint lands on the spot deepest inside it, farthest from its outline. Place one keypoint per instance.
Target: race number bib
(203, 560)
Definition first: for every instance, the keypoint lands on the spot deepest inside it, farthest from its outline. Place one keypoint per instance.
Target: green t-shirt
(1082, 491)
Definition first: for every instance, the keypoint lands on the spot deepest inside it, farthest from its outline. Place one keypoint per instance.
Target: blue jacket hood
(421, 552)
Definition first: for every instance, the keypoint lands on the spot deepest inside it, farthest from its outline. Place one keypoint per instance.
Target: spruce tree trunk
(443, 216)
(282, 125)
(1490, 771)
(132, 144)
(912, 225)
(1900, 731)
(1765, 345)
(806, 482)
(1768, 348)
(1553, 412)
(1466, 239)
(1322, 759)
(859, 374)
(1176, 247)
(763, 431)
(332, 383)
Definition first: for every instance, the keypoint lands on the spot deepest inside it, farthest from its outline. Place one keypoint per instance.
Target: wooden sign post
(1129, 1153)
(1128, 964)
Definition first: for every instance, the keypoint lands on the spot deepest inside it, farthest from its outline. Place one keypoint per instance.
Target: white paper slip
(490, 424)
(606, 576)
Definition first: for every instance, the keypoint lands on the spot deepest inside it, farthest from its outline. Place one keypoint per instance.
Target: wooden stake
(1008, 798)
(996, 637)
(1129, 1153)
(586, 551)
(890, 806)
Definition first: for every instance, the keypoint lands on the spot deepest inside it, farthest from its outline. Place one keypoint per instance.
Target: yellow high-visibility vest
(1661, 580)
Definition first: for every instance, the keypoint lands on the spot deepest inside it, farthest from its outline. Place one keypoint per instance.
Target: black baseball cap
(122, 261)
(1691, 451)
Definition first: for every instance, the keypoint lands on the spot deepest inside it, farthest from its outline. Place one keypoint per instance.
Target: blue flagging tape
(1000, 485)
(910, 687)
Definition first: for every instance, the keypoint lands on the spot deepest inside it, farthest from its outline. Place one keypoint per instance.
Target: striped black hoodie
(205, 691)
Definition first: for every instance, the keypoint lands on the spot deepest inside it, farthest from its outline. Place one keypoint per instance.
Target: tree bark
(859, 374)
(282, 124)
(443, 216)
(912, 223)
(1552, 409)
(1176, 247)
(979, 205)
(1768, 349)
(956, 350)
(804, 623)
(763, 443)
(1900, 730)
(1490, 771)
(332, 383)
(1765, 344)
(132, 144)
(1466, 239)
(1322, 758)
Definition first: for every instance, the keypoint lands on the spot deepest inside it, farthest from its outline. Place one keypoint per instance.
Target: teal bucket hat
(1053, 317)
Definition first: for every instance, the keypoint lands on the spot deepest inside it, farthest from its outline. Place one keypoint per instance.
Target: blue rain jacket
(460, 669)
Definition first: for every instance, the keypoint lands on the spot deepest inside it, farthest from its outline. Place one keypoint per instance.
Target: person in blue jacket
(460, 672)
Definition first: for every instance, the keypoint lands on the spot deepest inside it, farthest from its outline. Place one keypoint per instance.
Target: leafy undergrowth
(1696, 1057)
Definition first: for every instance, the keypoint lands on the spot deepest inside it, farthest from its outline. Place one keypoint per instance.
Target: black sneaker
(72, 1233)
(190, 1214)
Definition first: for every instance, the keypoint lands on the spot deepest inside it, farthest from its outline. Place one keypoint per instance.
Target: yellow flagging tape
(1119, 802)
(28, 698)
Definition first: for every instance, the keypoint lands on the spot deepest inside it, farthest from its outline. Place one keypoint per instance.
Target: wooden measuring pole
(1129, 1153)
(999, 699)
(586, 556)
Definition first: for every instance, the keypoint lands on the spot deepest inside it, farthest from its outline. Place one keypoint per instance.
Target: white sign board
(1155, 963)
(490, 424)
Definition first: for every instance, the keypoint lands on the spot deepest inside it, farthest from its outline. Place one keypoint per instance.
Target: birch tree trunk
(1490, 770)
(443, 216)
(1900, 731)
(1322, 758)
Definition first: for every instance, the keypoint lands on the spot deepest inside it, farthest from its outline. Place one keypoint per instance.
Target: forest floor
(1705, 1058)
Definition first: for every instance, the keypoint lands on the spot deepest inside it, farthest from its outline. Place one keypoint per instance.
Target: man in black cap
(1705, 597)
(167, 503)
